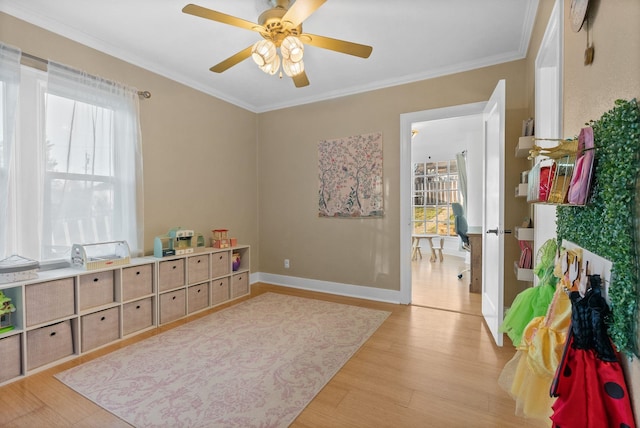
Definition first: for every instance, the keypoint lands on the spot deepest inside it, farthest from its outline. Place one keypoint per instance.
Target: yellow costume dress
(528, 376)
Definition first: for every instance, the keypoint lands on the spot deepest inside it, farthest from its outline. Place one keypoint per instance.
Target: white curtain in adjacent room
(93, 163)
(9, 87)
(461, 160)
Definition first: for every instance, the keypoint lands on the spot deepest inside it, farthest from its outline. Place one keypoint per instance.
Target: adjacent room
(319, 213)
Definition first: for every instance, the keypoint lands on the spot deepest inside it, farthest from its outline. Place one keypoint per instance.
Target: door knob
(496, 231)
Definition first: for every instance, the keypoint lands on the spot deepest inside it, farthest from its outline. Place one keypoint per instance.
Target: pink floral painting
(350, 176)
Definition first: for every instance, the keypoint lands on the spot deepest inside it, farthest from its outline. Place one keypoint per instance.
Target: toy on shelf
(6, 308)
(176, 242)
(17, 268)
(235, 261)
(100, 255)
(220, 239)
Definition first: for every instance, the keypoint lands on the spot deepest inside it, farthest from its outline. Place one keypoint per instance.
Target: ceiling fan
(280, 27)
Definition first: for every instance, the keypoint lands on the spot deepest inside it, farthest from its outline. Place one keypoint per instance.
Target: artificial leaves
(608, 224)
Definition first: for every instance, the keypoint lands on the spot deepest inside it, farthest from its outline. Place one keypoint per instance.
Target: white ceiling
(412, 40)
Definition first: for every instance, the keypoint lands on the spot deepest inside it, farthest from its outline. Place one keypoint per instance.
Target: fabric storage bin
(99, 328)
(197, 297)
(172, 306)
(48, 344)
(170, 274)
(219, 291)
(97, 289)
(10, 357)
(50, 300)
(137, 315)
(198, 268)
(137, 281)
(239, 285)
(220, 264)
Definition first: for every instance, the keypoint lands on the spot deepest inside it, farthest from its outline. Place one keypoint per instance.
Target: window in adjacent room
(435, 188)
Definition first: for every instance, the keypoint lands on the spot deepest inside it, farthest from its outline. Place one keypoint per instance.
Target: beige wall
(590, 91)
(199, 152)
(354, 251)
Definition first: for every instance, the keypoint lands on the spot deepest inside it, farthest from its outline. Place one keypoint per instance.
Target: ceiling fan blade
(232, 60)
(203, 12)
(300, 11)
(350, 48)
(301, 80)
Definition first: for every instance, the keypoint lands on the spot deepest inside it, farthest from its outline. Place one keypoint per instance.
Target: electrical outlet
(286, 263)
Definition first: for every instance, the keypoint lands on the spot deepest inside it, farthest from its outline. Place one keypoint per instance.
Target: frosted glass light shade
(271, 67)
(292, 68)
(263, 52)
(292, 49)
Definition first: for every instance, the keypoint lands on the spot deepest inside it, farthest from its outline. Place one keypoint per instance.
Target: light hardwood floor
(436, 285)
(423, 367)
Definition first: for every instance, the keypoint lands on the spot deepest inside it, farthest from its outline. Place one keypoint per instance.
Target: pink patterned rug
(255, 364)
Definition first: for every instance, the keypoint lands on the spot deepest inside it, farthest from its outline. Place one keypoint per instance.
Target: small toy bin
(16, 268)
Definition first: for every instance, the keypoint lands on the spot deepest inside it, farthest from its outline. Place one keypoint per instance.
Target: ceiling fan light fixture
(263, 52)
(292, 49)
(292, 68)
(271, 67)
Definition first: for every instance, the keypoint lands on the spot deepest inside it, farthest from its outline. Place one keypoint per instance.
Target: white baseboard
(359, 291)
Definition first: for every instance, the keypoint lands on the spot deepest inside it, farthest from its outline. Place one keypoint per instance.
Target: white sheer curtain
(93, 162)
(9, 88)
(461, 160)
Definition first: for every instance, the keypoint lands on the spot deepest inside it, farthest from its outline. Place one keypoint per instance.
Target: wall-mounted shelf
(521, 190)
(525, 144)
(524, 233)
(522, 274)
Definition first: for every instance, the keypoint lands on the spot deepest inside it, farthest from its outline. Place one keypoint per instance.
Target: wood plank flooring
(423, 367)
(436, 285)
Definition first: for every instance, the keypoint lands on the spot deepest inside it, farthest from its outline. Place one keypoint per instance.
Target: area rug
(255, 364)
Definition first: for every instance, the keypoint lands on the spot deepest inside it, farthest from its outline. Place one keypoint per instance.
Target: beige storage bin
(219, 291)
(198, 268)
(239, 285)
(220, 264)
(137, 281)
(50, 300)
(172, 306)
(97, 289)
(197, 297)
(48, 344)
(99, 328)
(10, 357)
(137, 315)
(171, 274)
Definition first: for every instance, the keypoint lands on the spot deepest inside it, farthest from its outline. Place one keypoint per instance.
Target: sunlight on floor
(436, 285)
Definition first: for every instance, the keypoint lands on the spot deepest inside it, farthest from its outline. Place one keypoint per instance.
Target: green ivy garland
(607, 224)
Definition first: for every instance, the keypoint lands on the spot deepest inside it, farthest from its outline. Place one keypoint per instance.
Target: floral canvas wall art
(350, 176)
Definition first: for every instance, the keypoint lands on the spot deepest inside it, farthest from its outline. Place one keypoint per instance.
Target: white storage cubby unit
(64, 313)
(194, 282)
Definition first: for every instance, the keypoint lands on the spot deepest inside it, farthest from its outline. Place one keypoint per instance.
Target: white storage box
(16, 268)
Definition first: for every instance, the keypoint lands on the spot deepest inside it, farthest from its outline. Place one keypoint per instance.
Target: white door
(493, 213)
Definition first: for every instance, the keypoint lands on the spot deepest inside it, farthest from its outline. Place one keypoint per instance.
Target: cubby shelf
(68, 312)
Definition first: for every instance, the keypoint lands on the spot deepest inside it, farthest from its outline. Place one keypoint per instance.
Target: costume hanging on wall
(527, 377)
(589, 382)
(533, 302)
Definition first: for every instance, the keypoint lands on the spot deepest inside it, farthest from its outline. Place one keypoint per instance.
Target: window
(435, 188)
(77, 169)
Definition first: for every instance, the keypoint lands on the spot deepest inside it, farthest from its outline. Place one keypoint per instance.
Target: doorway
(438, 135)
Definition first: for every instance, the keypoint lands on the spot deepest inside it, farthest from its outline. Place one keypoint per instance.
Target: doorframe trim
(406, 119)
